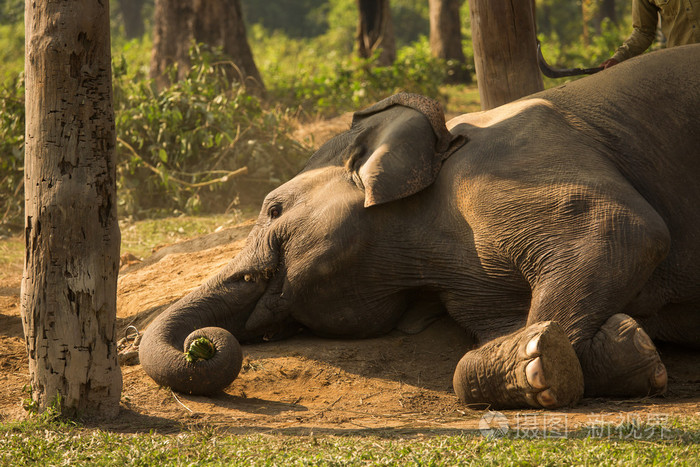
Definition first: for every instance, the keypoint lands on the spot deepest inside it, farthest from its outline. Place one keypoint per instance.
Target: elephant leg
(608, 266)
(535, 366)
(675, 323)
(621, 360)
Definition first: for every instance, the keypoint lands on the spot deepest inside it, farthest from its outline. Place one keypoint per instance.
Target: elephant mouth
(271, 308)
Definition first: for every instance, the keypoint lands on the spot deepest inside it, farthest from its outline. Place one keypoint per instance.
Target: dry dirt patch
(397, 383)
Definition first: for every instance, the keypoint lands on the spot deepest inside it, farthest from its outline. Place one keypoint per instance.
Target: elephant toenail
(533, 347)
(535, 374)
(643, 342)
(532, 401)
(547, 398)
(660, 376)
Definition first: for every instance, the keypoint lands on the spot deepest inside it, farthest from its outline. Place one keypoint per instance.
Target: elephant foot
(621, 360)
(535, 367)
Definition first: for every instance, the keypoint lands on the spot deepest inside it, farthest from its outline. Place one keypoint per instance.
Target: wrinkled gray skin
(559, 230)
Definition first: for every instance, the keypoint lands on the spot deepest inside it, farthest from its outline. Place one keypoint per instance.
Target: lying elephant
(559, 230)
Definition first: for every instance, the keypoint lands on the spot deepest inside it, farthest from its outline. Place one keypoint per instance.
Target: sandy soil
(399, 384)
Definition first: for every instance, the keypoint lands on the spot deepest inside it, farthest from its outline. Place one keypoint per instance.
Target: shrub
(12, 152)
(206, 140)
(194, 147)
(332, 83)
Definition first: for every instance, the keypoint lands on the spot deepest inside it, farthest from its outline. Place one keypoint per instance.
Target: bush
(12, 153)
(194, 147)
(333, 83)
(206, 140)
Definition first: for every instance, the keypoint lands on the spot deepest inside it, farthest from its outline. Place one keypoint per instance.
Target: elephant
(559, 230)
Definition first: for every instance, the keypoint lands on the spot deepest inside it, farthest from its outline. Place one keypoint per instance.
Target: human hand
(608, 63)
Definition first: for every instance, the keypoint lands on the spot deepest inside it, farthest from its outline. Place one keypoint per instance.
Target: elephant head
(323, 253)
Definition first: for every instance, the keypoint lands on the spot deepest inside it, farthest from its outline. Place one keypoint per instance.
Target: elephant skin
(559, 230)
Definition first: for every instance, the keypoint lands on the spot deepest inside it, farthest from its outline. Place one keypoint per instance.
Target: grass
(461, 99)
(45, 441)
(139, 238)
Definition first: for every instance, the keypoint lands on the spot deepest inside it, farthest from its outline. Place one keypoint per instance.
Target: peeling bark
(71, 230)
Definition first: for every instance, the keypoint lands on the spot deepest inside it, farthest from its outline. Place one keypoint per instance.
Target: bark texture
(217, 23)
(446, 38)
(71, 230)
(375, 31)
(505, 52)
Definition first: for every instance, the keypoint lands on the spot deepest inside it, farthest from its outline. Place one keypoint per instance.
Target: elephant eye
(275, 211)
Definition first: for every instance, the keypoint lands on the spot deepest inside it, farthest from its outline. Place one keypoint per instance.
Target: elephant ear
(400, 146)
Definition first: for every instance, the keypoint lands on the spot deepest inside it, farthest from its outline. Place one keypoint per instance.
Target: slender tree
(69, 284)
(217, 23)
(505, 50)
(133, 18)
(588, 9)
(446, 39)
(375, 31)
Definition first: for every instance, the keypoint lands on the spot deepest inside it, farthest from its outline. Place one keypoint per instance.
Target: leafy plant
(333, 83)
(11, 152)
(204, 138)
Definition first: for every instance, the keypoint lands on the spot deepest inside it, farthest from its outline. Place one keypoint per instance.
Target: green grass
(461, 99)
(141, 237)
(50, 442)
(11, 251)
(138, 237)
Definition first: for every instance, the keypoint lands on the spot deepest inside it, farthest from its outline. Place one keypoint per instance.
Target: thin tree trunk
(220, 24)
(71, 231)
(505, 53)
(446, 38)
(172, 39)
(133, 19)
(587, 8)
(606, 9)
(375, 31)
(217, 23)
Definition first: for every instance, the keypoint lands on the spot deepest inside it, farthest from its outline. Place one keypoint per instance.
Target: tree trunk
(606, 9)
(505, 52)
(220, 24)
(446, 39)
(172, 39)
(69, 286)
(217, 23)
(375, 31)
(133, 19)
(587, 14)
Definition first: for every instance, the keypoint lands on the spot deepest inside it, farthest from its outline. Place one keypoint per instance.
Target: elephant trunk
(218, 311)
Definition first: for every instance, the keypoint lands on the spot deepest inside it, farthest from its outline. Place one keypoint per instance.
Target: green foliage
(411, 19)
(297, 18)
(331, 82)
(11, 51)
(11, 11)
(205, 139)
(11, 152)
(193, 147)
(305, 19)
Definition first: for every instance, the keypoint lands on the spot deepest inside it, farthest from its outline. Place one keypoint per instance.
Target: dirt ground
(399, 384)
